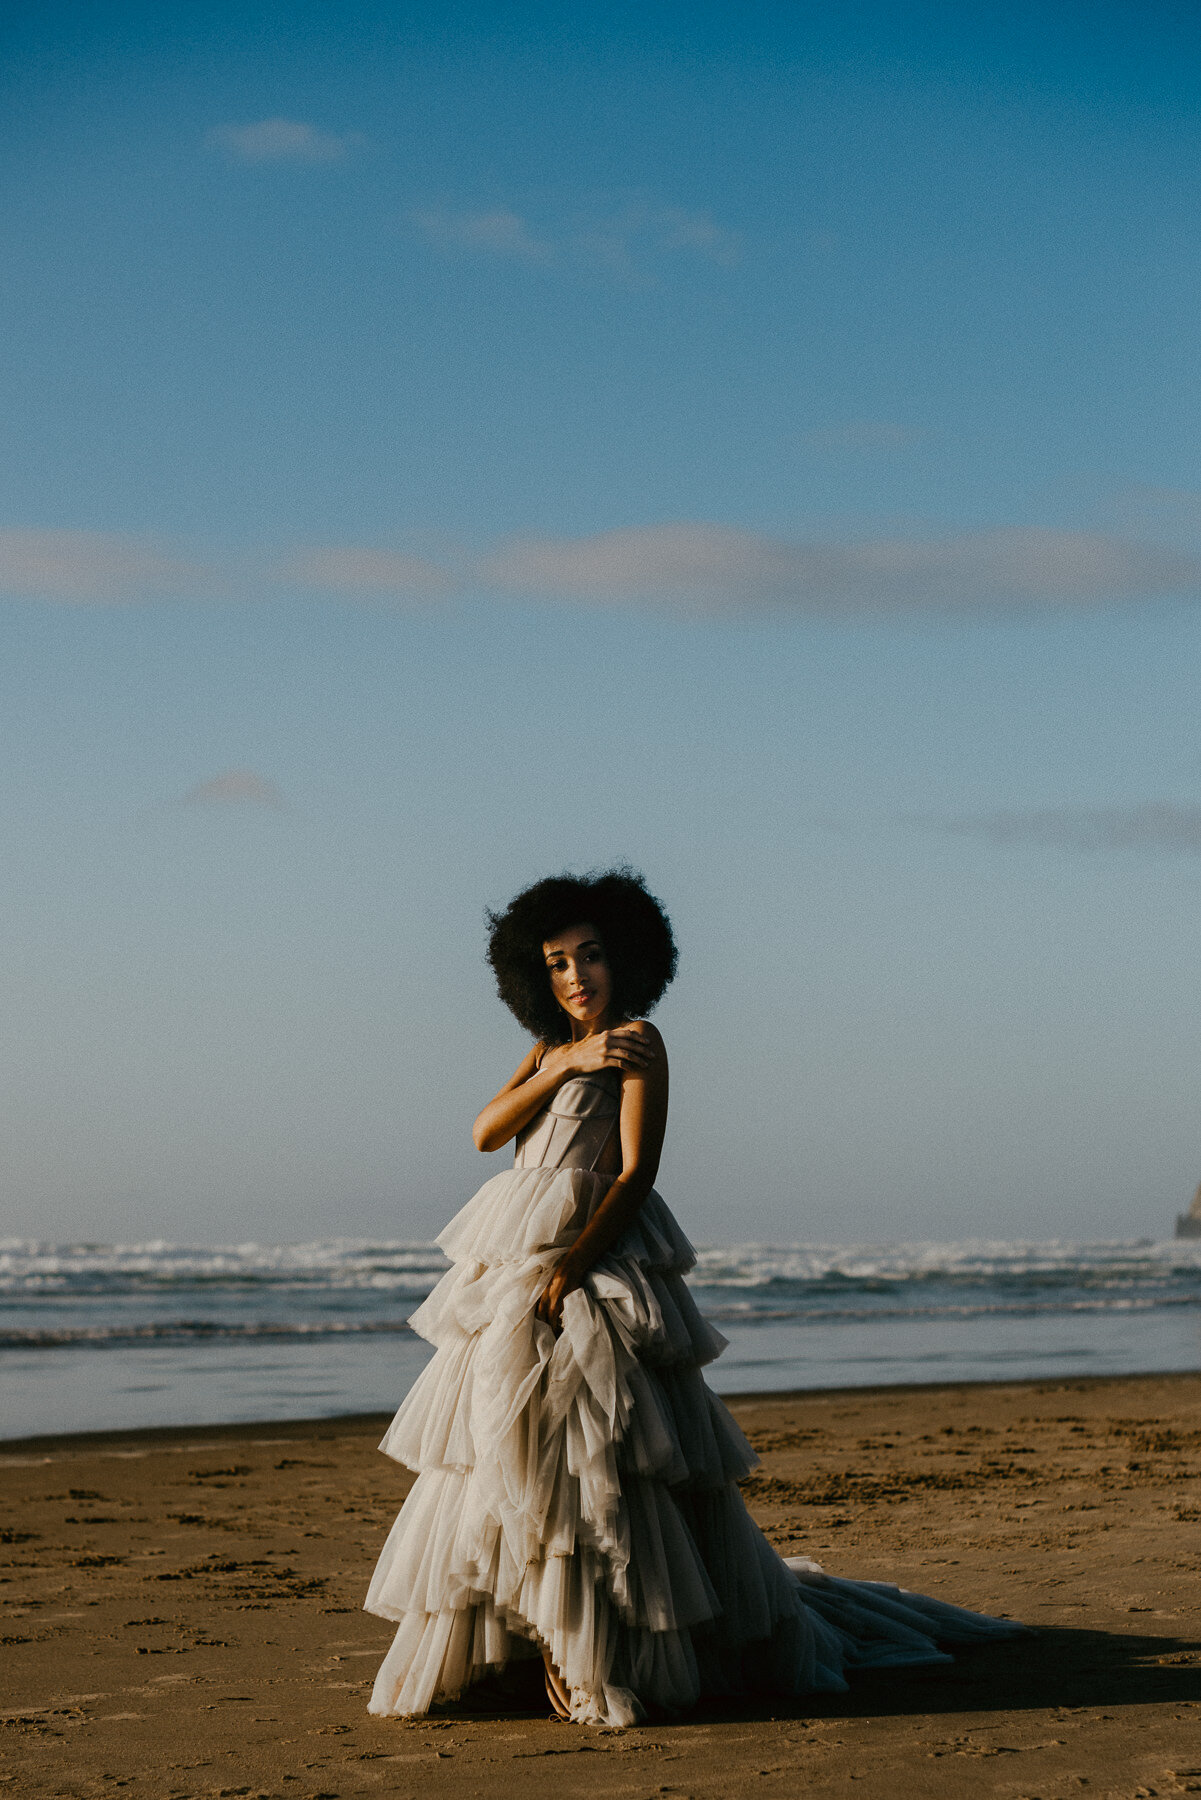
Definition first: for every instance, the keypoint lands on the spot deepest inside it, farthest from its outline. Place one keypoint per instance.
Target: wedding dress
(576, 1494)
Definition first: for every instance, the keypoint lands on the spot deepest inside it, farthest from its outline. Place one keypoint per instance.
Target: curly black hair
(633, 927)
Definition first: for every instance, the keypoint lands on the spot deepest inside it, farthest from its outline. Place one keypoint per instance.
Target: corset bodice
(573, 1130)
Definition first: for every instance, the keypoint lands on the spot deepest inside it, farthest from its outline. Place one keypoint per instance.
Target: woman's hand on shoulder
(631, 1048)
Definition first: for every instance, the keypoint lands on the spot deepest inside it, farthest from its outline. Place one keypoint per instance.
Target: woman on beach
(575, 1497)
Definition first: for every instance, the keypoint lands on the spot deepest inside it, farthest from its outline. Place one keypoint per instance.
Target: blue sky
(758, 442)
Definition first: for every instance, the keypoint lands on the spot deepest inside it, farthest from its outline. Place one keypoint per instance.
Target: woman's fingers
(629, 1048)
(550, 1310)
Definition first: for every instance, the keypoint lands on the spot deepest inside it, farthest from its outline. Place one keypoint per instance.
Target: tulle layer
(575, 1494)
(522, 1212)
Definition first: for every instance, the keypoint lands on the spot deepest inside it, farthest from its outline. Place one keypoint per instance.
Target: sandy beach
(182, 1610)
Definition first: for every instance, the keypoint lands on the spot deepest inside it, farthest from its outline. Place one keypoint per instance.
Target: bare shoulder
(652, 1036)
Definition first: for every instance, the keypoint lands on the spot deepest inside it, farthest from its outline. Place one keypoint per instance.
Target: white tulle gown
(576, 1494)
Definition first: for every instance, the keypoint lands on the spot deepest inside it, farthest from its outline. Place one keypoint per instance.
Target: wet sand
(181, 1611)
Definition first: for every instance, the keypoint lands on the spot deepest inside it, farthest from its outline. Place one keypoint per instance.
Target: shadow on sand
(1053, 1667)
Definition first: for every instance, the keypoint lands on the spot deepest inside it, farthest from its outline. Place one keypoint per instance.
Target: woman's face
(580, 977)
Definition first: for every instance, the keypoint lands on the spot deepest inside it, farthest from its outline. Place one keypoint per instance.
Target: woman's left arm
(642, 1123)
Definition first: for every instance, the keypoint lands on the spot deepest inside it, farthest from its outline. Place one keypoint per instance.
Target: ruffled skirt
(576, 1494)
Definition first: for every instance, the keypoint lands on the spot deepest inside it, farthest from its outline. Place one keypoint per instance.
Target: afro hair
(633, 928)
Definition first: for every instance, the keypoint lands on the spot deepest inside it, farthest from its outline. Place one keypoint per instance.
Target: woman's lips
(578, 999)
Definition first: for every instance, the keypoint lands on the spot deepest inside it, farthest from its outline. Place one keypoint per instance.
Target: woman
(576, 1496)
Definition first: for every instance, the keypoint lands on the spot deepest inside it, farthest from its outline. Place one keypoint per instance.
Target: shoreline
(239, 1429)
(183, 1610)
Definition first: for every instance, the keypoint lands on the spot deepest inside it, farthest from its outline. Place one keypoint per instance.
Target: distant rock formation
(1188, 1224)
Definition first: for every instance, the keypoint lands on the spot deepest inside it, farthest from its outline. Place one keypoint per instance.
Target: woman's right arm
(542, 1072)
(524, 1094)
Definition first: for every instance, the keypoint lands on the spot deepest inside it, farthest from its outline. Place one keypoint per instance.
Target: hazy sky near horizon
(759, 443)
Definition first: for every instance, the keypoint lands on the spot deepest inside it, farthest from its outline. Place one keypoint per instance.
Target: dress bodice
(574, 1128)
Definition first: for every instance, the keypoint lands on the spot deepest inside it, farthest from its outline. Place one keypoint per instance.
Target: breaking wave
(58, 1295)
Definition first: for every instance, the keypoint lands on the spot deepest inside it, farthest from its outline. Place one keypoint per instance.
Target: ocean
(107, 1336)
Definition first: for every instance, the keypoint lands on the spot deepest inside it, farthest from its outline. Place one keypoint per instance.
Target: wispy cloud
(362, 569)
(87, 567)
(282, 141)
(864, 435)
(1153, 826)
(688, 566)
(626, 239)
(1174, 507)
(497, 231)
(724, 568)
(236, 787)
(630, 240)
(678, 229)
